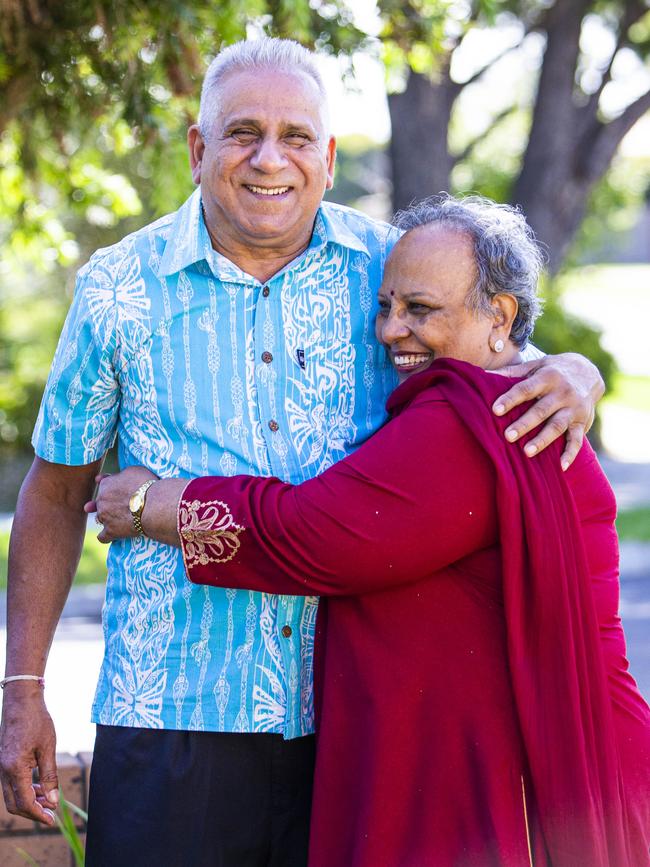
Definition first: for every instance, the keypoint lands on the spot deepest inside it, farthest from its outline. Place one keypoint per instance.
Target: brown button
(267, 358)
(286, 631)
(266, 291)
(274, 425)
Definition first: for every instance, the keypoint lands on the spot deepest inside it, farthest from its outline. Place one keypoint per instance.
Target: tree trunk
(420, 159)
(551, 189)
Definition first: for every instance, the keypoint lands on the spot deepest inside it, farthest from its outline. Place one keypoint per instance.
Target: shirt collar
(330, 227)
(188, 240)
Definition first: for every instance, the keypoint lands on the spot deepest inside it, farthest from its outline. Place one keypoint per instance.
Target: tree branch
(632, 12)
(609, 136)
(469, 148)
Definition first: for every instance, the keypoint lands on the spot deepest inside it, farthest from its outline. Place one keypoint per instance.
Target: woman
(474, 704)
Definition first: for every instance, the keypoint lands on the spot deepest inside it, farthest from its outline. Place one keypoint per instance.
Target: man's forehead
(243, 91)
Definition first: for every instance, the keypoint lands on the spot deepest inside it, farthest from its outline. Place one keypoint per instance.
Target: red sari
(474, 704)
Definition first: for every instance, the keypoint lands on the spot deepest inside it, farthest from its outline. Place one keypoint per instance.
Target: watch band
(137, 516)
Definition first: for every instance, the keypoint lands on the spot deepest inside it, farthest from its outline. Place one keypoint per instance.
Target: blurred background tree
(562, 134)
(95, 99)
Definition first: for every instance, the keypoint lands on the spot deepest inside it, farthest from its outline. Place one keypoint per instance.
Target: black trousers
(193, 799)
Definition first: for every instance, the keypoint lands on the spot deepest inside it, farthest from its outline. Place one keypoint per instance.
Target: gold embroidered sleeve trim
(208, 532)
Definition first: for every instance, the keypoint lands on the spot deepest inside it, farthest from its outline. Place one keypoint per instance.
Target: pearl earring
(498, 345)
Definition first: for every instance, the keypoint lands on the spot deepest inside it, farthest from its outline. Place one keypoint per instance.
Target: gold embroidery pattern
(208, 532)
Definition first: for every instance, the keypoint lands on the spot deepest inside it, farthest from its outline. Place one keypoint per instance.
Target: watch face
(135, 503)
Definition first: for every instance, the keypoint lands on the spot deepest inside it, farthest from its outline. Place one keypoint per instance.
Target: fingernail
(499, 409)
(511, 435)
(564, 465)
(530, 450)
(50, 813)
(54, 797)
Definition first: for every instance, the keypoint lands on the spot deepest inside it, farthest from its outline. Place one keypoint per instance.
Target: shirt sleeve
(78, 414)
(418, 496)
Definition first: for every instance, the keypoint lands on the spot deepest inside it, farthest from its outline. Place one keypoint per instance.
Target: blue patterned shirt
(199, 368)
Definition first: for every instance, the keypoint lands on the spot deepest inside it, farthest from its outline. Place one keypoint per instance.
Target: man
(233, 336)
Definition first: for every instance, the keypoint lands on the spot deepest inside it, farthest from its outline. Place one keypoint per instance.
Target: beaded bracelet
(6, 680)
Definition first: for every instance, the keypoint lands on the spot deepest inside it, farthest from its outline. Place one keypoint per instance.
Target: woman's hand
(566, 389)
(111, 503)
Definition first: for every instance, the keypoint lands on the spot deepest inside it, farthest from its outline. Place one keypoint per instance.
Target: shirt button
(274, 425)
(267, 358)
(266, 291)
(286, 631)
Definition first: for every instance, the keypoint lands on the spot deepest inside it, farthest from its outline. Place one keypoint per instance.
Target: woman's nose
(394, 327)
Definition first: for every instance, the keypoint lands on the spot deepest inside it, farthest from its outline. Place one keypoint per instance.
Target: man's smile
(267, 191)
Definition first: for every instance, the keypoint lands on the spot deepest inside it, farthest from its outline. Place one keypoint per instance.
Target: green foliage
(613, 208)
(558, 331)
(634, 524)
(632, 392)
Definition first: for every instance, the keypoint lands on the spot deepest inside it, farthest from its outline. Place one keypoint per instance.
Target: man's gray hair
(284, 55)
(508, 258)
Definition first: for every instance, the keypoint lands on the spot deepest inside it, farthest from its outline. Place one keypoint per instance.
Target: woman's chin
(404, 372)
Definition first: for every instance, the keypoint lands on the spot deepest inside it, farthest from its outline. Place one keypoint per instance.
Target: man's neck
(259, 260)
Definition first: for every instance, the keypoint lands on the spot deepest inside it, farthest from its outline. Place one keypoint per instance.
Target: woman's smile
(409, 362)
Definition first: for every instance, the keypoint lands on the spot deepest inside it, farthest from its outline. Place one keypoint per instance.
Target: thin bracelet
(6, 680)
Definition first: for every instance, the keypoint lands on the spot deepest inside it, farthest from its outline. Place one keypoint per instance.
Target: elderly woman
(474, 703)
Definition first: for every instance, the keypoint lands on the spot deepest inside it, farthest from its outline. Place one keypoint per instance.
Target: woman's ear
(504, 310)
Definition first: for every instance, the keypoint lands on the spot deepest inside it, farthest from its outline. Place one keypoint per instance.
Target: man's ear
(196, 146)
(331, 162)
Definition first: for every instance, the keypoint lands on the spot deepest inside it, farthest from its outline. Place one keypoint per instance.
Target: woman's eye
(383, 309)
(418, 308)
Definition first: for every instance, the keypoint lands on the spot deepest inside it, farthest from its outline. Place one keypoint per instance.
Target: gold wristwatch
(136, 505)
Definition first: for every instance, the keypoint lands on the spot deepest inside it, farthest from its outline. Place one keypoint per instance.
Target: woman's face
(422, 304)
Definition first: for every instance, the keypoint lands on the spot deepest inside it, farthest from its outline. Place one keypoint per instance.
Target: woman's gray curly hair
(508, 258)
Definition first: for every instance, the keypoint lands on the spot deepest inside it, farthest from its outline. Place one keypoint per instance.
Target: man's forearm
(44, 552)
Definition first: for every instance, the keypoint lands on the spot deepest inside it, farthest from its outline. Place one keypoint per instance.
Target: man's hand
(566, 388)
(44, 550)
(28, 741)
(111, 502)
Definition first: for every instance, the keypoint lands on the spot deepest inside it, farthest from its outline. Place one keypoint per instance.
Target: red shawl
(557, 669)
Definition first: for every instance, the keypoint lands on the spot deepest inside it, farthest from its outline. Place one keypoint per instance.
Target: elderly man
(234, 336)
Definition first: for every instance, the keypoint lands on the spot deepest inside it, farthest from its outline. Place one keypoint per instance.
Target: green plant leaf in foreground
(27, 858)
(67, 827)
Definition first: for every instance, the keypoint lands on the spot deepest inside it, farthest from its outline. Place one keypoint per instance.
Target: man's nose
(268, 156)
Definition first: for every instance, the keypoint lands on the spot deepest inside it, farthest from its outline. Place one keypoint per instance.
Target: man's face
(267, 159)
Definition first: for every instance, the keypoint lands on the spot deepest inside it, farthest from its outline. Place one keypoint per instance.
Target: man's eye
(297, 138)
(244, 136)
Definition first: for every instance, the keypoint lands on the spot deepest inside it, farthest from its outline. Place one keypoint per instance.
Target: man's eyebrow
(241, 121)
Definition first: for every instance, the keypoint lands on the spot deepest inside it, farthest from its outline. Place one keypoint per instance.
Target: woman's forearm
(159, 518)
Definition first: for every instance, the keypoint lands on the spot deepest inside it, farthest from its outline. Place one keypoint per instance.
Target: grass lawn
(92, 567)
(630, 391)
(634, 524)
